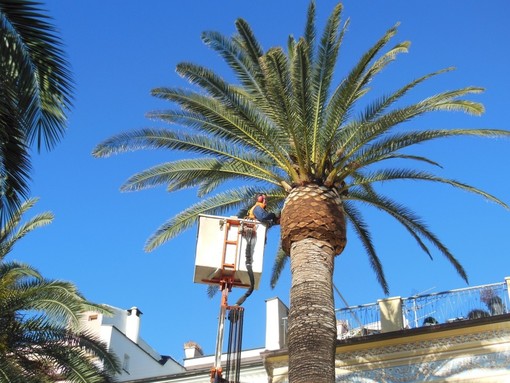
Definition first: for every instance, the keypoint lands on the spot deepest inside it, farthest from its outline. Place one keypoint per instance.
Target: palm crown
(285, 123)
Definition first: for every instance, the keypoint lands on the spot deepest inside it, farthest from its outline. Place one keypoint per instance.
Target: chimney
(192, 350)
(391, 314)
(276, 324)
(133, 324)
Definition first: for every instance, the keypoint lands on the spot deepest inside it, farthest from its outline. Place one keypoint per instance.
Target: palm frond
(411, 222)
(30, 41)
(409, 174)
(247, 40)
(302, 94)
(12, 230)
(238, 56)
(362, 231)
(215, 205)
(379, 106)
(39, 320)
(351, 88)
(386, 147)
(188, 173)
(321, 76)
(243, 125)
(218, 204)
(310, 28)
(280, 261)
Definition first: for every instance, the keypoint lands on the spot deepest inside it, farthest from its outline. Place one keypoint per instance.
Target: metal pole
(217, 370)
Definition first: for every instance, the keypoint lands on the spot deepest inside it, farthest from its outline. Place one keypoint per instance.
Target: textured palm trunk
(312, 321)
(313, 232)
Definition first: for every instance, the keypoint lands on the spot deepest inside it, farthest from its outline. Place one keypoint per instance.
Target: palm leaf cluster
(40, 338)
(35, 94)
(284, 121)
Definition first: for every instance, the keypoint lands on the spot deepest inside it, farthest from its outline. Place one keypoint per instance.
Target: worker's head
(262, 199)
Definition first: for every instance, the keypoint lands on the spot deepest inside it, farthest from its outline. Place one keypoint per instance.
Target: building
(454, 336)
(121, 333)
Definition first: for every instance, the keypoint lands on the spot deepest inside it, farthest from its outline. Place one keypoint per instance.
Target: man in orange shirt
(259, 212)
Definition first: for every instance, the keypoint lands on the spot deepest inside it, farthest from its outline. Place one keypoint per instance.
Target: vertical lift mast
(229, 255)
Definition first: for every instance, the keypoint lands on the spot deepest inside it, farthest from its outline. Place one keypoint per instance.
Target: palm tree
(40, 340)
(35, 95)
(299, 138)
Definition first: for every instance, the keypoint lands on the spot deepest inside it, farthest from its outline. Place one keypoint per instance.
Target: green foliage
(40, 337)
(35, 95)
(284, 123)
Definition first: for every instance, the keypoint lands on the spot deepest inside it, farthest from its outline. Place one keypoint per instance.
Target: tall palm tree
(288, 129)
(35, 95)
(40, 339)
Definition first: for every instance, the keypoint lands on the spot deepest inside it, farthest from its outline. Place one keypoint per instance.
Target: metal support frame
(216, 372)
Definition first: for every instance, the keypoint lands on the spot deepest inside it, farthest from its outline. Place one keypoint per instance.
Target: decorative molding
(440, 344)
(473, 354)
(457, 367)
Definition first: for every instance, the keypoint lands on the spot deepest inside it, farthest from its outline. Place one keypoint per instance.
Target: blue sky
(120, 50)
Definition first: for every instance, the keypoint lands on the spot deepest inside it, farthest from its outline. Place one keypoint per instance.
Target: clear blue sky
(121, 49)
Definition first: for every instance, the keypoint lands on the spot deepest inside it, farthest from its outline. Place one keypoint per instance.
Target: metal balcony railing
(358, 320)
(427, 309)
(455, 305)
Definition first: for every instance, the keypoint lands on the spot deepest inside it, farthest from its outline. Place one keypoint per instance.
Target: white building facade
(401, 345)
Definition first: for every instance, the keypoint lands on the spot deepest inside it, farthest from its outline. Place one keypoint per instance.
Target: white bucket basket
(221, 250)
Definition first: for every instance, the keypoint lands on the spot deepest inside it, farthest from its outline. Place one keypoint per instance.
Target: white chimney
(276, 324)
(133, 324)
(192, 350)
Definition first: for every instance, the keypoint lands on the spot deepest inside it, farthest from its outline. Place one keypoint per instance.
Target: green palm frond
(377, 107)
(165, 139)
(247, 40)
(11, 273)
(281, 260)
(13, 231)
(426, 160)
(241, 53)
(215, 205)
(408, 174)
(53, 353)
(31, 47)
(351, 89)
(241, 125)
(278, 88)
(40, 340)
(188, 173)
(386, 147)
(310, 33)
(361, 229)
(412, 223)
(302, 95)
(35, 96)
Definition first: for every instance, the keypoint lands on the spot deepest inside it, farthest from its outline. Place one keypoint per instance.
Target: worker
(259, 212)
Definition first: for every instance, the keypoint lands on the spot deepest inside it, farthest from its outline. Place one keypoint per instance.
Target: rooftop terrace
(398, 313)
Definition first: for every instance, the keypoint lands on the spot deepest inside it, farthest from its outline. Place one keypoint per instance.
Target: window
(125, 363)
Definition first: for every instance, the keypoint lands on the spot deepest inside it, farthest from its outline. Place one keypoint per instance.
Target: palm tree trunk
(312, 321)
(313, 232)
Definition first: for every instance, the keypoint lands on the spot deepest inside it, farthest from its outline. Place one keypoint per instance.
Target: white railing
(427, 309)
(455, 305)
(358, 320)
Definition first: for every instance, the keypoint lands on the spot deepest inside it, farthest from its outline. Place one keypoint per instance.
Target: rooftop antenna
(229, 254)
(415, 307)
